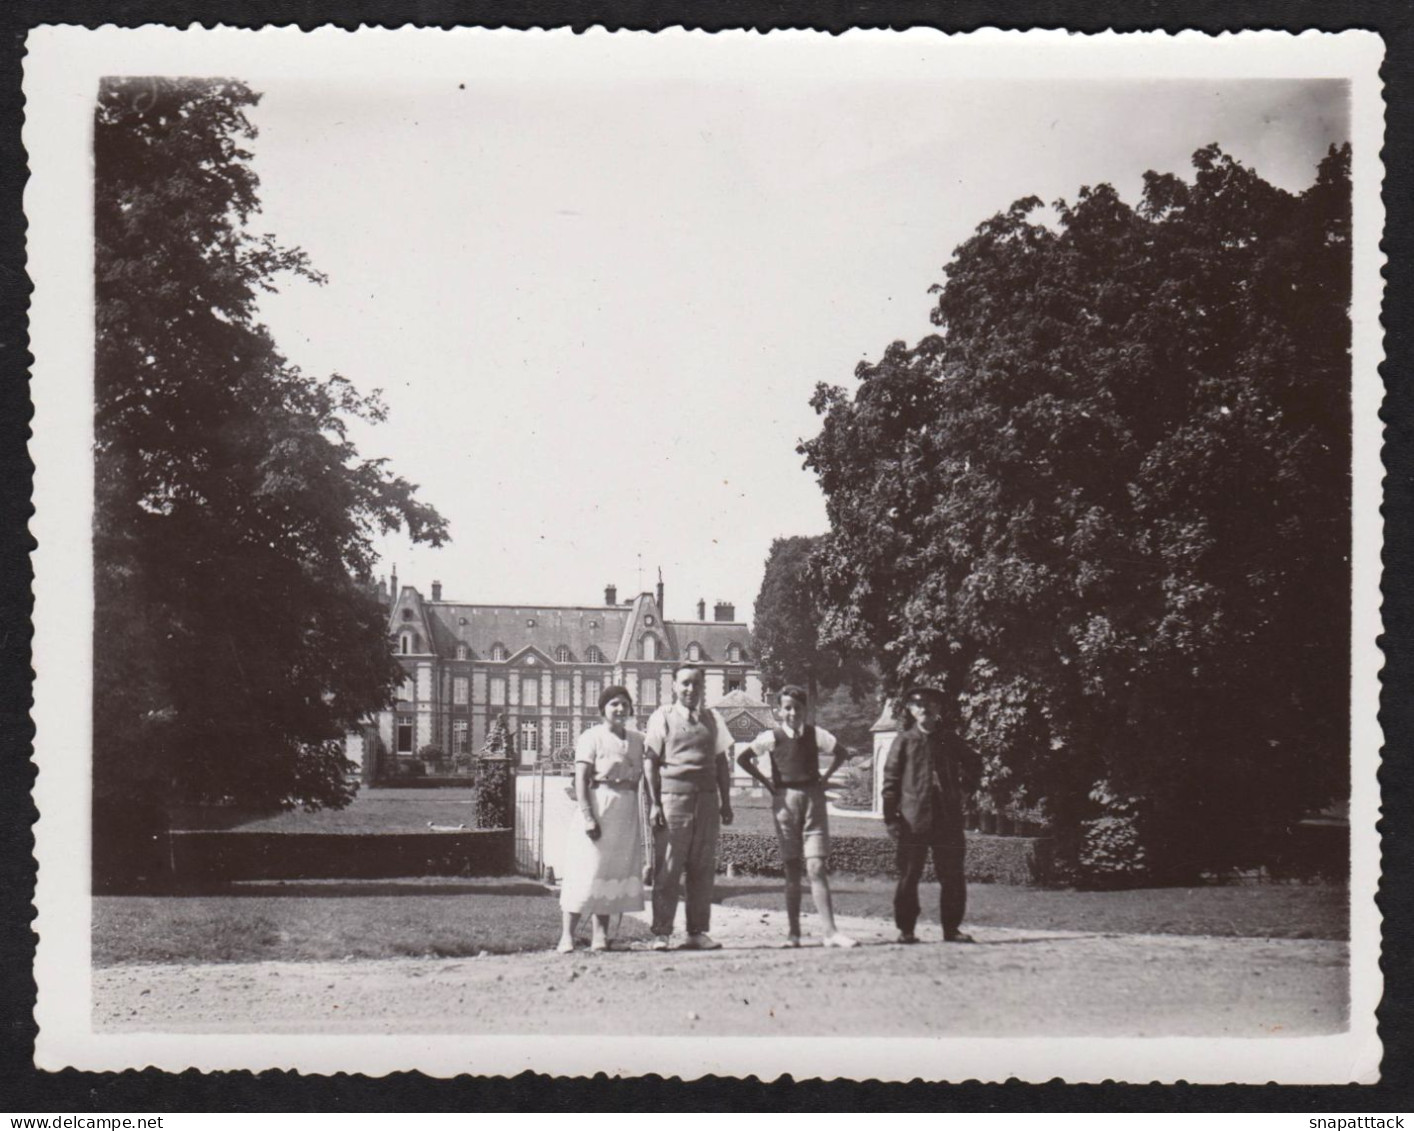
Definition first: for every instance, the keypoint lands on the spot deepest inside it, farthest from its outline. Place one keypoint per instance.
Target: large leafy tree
(787, 621)
(236, 636)
(1108, 504)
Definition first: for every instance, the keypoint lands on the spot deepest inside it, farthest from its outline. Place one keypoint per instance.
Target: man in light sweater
(689, 779)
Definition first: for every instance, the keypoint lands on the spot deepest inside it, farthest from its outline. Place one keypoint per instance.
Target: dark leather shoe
(907, 937)
(959, 936)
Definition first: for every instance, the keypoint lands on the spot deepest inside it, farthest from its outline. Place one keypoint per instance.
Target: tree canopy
(788, 622)
(1107, 504)
(236, 634)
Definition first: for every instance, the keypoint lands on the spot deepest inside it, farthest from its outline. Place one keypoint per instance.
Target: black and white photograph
(675, 553)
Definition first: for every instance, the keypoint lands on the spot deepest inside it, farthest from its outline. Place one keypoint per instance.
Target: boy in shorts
(798, 804)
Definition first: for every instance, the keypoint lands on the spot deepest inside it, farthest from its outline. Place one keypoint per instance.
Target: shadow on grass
(722, 892)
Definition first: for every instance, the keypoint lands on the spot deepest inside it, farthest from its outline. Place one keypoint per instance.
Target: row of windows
(592, 654)
(561, 689)
(735, 655)
(560, 736)
(648, 649)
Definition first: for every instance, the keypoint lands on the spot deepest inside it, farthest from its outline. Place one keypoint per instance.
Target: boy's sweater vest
(795, 761)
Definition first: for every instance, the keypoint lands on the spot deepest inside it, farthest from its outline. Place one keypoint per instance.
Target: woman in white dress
(604, 857)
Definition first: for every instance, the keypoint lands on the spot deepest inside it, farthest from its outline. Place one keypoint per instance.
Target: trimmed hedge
(990, 859)
(207, 856)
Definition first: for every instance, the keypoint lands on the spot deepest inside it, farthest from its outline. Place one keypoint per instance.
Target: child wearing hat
(923, 795)
(798, 804)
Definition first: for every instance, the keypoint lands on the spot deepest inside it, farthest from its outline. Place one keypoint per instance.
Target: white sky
(598, 307)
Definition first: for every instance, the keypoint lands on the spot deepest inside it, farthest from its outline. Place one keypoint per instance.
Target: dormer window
(733, 653)
(405, 644)
(461, 651)
(694, 652)
(648, 620)
(407, 614)
(592, 655)
(562, 654)
(498, 651)
(529, 622)
(649, 647)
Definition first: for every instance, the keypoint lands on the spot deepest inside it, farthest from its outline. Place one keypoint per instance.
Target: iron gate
(530, 822)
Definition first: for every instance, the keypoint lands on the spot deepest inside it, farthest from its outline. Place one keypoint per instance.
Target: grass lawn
(311, 921)
(372, 811)
(1320, 911)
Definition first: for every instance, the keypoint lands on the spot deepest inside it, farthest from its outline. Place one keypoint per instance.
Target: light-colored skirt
(605, 876)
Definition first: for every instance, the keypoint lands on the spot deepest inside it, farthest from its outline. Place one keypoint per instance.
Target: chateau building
(542, 667)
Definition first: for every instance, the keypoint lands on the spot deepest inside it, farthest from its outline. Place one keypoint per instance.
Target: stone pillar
(883, 740)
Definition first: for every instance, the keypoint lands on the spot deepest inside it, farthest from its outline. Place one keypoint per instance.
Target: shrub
(990, 859)
(858, 789)
(228, 854)
(495, 794)
(1111, 848)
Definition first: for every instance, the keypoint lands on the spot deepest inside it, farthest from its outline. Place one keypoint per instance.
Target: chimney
(382, 590)
(436, 590)
(393, 586)
(724, 610)
(611, 594)
(702, 608)
(661, 611)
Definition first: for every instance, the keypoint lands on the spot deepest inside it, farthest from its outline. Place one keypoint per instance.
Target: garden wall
(990, 859)
(224, 855)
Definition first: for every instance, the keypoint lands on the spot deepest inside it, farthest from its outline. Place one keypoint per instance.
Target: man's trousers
(948, 856)
(688, 845)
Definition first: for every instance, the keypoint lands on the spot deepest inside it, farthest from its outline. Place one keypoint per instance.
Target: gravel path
(1013, 983)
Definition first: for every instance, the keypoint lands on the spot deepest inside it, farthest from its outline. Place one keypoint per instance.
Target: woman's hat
(924, 691)
(609, 694)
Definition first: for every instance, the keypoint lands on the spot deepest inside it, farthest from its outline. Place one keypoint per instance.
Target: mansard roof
(409, 601)
(714, 636)
(644, 606)
(613, 629)
(481, 627)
